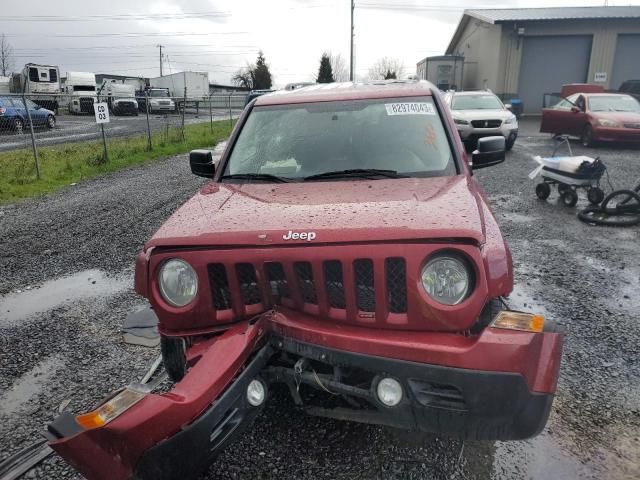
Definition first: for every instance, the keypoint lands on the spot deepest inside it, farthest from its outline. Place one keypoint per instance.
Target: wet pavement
(60, 339)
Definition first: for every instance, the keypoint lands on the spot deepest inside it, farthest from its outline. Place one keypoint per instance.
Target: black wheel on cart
(595, 195)
(543, 190)
(563, 187)
(569, 198)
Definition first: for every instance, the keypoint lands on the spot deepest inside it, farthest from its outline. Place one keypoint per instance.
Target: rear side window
(53, 75)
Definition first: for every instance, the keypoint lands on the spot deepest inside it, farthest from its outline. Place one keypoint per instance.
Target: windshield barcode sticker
(410, 108)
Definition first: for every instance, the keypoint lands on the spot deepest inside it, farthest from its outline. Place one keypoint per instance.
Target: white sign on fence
(102, 112)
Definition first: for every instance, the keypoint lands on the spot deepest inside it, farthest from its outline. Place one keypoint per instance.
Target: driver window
(581, 104)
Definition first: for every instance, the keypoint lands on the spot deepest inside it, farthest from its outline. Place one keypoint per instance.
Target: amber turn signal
(111, 409)
(527, 322)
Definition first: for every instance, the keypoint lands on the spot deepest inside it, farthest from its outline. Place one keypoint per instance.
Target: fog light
(389, 392)
(255, 393)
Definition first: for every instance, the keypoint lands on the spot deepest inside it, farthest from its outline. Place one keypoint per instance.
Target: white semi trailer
(193, 85)
(40, 82)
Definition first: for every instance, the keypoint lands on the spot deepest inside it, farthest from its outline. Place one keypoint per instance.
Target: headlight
(459, 121)
(447, 279)
(605, 122)
(178, 282)
(512, 119)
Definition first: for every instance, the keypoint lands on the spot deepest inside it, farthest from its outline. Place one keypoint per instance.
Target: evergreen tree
(325, 72)
(256, 76)
(262, 75)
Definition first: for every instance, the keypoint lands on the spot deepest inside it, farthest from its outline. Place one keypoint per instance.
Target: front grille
(164, 102)
(632, 125)
(334, 283)
(277, 280)
(304, 274)
(396, 275)
(86, 105)
(329, 284)
(486, 123)
(125, 104)
(248, 283)
(219, 286)
(365, 291)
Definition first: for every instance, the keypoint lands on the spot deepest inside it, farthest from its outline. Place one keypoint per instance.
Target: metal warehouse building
(531, 52)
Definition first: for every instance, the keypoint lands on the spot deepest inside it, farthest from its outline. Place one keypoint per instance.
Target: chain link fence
(32, 126)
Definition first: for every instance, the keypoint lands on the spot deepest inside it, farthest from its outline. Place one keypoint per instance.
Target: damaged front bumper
(177, 434)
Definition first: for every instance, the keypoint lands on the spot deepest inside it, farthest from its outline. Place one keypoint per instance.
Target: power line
(125, 17)
(125, 34)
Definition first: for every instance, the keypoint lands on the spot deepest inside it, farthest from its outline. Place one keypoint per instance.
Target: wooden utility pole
(351, 72)
(160, 47)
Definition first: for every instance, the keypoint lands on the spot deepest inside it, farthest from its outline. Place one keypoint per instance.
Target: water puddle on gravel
(540, 458)
(29, 385)
(19, 305)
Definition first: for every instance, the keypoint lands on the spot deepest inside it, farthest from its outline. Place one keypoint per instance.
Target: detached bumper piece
(176, 435)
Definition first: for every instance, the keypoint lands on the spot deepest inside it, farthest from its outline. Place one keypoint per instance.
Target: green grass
(64, 164)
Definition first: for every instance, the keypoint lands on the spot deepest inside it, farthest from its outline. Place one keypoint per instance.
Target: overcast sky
(220, 36)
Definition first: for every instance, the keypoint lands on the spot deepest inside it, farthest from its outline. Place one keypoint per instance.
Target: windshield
(298, 141)
(614, 103)
(476, 102)
(158, 93)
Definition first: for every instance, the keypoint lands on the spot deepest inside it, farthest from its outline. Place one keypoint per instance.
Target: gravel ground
(82, 242)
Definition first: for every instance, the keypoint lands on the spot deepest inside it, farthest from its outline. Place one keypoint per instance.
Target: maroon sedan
(594, 117)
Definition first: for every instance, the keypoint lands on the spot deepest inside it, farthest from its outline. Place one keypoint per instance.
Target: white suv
(480, 114)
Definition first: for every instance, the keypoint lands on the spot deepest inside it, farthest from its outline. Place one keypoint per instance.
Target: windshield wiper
(255, 176)
(356, 172)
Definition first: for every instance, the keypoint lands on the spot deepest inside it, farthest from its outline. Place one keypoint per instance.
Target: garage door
(625, 64)
(550, 62)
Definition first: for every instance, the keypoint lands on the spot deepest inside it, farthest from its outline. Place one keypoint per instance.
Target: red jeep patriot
(342, 246)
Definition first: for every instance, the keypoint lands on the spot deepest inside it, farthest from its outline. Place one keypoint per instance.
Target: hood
(622, 117)
(484, 114)
(334, 212)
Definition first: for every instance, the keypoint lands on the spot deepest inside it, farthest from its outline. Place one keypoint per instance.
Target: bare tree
(386, 68)
(339, 67)
(6, 56)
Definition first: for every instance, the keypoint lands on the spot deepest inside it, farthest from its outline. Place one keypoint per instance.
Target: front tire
(173, 357)
(587, 136)
(18, 125)
(51, 121)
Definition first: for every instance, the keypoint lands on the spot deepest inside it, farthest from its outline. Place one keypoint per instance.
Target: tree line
(332, 68)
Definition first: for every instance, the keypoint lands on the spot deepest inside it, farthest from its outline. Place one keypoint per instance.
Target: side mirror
(490, 151)
(575, 109)
(508, 106)
(201, 162)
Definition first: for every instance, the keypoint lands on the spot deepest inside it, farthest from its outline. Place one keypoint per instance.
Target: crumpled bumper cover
(177, 434)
